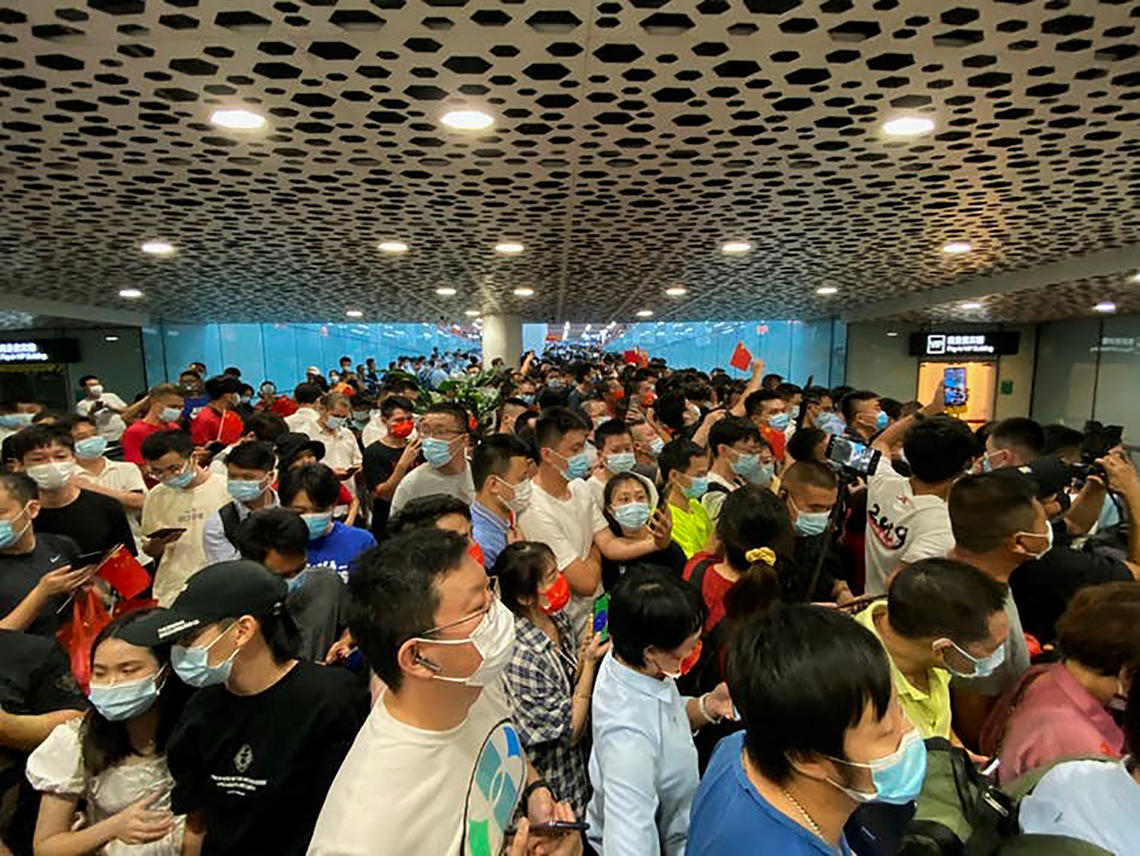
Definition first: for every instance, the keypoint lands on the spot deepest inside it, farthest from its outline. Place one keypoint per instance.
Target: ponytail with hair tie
(761, 555)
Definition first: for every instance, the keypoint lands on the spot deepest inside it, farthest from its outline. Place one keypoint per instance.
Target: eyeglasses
(493, 585)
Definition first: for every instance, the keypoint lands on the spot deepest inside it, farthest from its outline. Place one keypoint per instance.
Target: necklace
(800, 807)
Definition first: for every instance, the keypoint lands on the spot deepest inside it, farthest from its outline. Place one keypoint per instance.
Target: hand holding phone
(602, 617)
(167, 534)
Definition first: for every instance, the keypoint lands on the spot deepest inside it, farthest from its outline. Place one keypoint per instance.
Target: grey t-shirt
(1016, 659)
(426, 480)
(320, 609)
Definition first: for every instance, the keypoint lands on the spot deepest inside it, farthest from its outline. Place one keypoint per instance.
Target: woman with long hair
(113, 758)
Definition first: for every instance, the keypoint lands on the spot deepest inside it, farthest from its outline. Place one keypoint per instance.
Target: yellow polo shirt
(691, 527)
(929, 711)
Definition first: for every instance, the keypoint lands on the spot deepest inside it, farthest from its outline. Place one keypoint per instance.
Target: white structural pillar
(502, 337)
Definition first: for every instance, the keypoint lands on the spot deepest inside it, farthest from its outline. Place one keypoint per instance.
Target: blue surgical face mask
(244, 490)
(182, 480)
(746, 465)
(297, 580)
(779, 421)
(882, 420)
(698, 487)
(128, 699)
(90, 448)
(528, 397)
(15, 420)
(620, 462)
(334, 423)
(9, 535)
(983, 667)
(192, 665)
(170, 414)
(897, 778)
(656, 445)
(437, 452)
(811, 523)
(318, 523)
(577, 466)
(632, 515)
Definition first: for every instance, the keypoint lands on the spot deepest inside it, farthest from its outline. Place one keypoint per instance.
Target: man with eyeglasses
(175, 511)
(438, 766)
(443, 433)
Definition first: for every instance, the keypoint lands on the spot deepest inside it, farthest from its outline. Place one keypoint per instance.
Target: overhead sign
(963, 345)
(32, 351)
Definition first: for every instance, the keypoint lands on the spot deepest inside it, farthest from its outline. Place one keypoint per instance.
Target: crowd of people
(641, 610)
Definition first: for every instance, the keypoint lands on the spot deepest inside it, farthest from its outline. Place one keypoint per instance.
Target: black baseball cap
(292, 443)
(1049, 474)
(219, 591)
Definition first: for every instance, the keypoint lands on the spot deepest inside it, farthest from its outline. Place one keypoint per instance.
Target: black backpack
(230, 521)
(960, 812)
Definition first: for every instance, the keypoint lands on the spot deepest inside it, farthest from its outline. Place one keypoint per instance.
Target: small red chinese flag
(124, 573)
(741, 357)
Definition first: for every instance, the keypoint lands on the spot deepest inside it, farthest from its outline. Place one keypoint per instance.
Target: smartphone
(350, 472)
(853, 455)
(167, 532)
(553, 827)
(602, 616)
(954, 383)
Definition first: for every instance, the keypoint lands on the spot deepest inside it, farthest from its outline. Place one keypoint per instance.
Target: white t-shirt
(124, 476)
(567, 527)
(404, 791)
(901, 527)
(108, 422)
(341, 452)
(167, 506)
(304, 421)
(425, 480)
(373, 431)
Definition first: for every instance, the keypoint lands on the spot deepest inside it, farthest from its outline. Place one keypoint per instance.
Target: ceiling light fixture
(130, 293)
(908, 126)
(523, 292)
(970, 305)
(354, 313)
(393, 247)
(157, 248)
(735, 248)
(1105, 306)
(957, 248)
(110, 338)
(1136, 277)
(472, 313)
(892, 333)
(445, 292)
(677, 291)
(827, 290)
(237, 120)
(509, 248)
(645, 313)
(467, 120)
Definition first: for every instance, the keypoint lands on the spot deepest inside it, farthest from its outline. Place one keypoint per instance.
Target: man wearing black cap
(257, 748)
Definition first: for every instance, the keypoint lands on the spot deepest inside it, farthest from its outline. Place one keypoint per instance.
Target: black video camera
(1099, 441)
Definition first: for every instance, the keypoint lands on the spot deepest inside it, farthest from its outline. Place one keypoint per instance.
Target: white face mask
(521, 494)
(52, 476)
(494, 639)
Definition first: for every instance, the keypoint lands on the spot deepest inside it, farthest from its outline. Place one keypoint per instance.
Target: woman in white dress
(112, 758)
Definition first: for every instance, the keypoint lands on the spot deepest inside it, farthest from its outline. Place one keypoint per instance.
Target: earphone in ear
(435, 667)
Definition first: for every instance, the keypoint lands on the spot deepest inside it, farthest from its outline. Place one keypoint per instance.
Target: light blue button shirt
(643, 764)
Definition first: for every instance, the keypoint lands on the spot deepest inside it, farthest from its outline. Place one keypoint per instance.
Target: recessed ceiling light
(1105, 306)
(130, 293)
(645, 313)
(509, 248)
(237, 120)
(908, 126)
(445, 292)
(892, 333)
(827, 290)
(970, 304)
(677, 291)
(110, 338)
(354, 313)
(956, 248)
(157, 248)
(472, 313)
(467, 120)
(523, 292)
(1136, 277)
(735, 248)
(392, 247)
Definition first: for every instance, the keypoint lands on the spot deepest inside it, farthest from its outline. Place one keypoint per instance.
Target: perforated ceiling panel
(631, 139)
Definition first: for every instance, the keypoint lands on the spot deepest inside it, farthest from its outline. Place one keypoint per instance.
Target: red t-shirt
(283, 406)
(133, 437)
(209, 425)
(713, 589)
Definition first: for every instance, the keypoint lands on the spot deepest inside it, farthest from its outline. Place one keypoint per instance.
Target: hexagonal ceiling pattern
(631, 139)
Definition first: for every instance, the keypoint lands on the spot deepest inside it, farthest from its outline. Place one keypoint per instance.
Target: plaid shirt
(540, 678)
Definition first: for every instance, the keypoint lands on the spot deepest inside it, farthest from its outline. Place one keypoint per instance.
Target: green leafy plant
(479, 394)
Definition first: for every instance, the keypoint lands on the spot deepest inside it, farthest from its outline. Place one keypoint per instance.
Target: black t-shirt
(258, 767)
(20, 573)
(35, 678)
(795, 575)
(1042, 588)
(672, 557)
(380, 462)
(93, 521)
